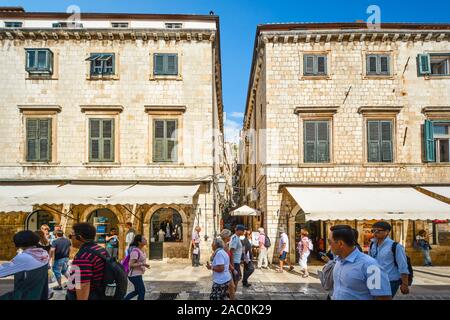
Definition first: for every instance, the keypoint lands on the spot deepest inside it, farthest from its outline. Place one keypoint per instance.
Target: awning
(15, 197)
(442, 191)
(157, 194)
(367, 203)
(113, 194)
(245, 211)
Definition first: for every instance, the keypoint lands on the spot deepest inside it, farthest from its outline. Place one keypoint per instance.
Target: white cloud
(231, 130)
(238, 115)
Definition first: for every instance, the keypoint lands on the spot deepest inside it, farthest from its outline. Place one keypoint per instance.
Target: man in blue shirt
(236, 250)
(356, 276)
(381, 250)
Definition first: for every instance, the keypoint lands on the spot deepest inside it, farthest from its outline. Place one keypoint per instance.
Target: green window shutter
(108, 140)
(371, 64)
(94, 139)
(45, 133)
(373, 141)
(321, 64)
(308, 65)
(322, 141)
(159, 141)
(165, 142)
(309, 138)
(171, 132)
(172, 64)
(430, 148)
(386, 141)
(50, 61)
(424, 64)
(384, 65)
(158, 64)
(32, 139)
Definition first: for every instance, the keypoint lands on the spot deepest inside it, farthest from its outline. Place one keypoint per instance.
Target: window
(39, 61)
(119, 24)
(165, 140)
(379, 141)
(316, 141)
(165, 64)
(437, 141)
(102, 64)
(434, 64)
(174, 25)
(67, 25)
(314, 65)
(39, 139)
(101, 140)
(377, 64)
(13, 24)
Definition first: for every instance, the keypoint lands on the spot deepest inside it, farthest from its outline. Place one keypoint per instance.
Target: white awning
(157, 194)
(113, 194)
(15, 197)
(442, 191)
(367, 203)
(245, 211)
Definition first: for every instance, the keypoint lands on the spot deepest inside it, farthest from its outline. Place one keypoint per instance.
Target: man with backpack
(264, 244)
(391, 256)
(94, 275)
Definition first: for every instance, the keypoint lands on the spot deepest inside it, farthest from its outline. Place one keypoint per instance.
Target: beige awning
(245, 211)
(113, 194)
(367, 203)
(15, 197)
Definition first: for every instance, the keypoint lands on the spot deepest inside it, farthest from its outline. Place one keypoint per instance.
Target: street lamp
(221, 184)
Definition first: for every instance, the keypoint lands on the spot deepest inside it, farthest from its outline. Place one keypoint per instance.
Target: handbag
(196, 251)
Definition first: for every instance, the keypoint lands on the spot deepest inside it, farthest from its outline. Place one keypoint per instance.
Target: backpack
(326, 275)
(115, 280)
(408, 261)
(126, 262)
(267, 243)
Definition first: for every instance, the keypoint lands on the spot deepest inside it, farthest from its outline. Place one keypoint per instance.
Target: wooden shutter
(45, 133)
(32, 139)
(424, 64)
(172, 64)
(373, 141)
(430, 148)
(371, 64)
(308, 65)
(158, 141)
(158, 67)
(309, 137)
(384, 65)
(386, 141)
(108, 140)
(321, 64)
(94, 139)
(171, 132)
(322, 141)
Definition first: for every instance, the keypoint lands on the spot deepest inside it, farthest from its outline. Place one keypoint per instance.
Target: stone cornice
(178, 109)
(39, 107)
(114, 108)
(356, 35)
(316, 109)
(436, 112)
(107, 34)
(379, 109)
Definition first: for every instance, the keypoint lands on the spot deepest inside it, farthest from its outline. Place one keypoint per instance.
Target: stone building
(349, 124)
(111, 118)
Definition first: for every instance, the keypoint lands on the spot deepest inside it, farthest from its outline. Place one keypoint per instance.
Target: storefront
(405, 208)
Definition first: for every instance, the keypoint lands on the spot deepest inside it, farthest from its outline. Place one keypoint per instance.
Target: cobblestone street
(182, 282)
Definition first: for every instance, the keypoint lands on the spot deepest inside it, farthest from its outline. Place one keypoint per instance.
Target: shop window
(166, 226)
(103, 220)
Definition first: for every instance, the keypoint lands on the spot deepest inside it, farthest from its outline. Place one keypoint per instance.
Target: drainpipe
(213, 51)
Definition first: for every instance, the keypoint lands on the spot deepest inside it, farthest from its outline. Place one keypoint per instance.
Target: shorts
(60, 267)
(238, 276)
(283, 256)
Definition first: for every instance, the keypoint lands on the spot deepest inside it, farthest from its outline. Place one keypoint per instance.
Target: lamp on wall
(221, 184)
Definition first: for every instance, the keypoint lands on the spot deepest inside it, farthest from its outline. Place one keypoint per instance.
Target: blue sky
(239, 19)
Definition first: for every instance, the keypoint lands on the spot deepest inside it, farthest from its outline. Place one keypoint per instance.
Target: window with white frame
(171, 25)
(314, 65)
(102, 64)
(39, 61)
(13, 24)
(434, 64)
(378, 65)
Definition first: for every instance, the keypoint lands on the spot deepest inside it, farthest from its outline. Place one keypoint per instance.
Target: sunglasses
(377, 230)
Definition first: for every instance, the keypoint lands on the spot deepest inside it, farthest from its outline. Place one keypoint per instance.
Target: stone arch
(83, 217)
(27, 217)
(149, 214)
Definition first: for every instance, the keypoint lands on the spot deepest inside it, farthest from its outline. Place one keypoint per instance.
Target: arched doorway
(314, 231)
(104, 220)
(166, 225)
(38, 218)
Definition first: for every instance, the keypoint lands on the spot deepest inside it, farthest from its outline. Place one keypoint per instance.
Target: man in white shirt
(129, 236)
(283, 248)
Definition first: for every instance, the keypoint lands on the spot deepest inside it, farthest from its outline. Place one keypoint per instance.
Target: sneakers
(58, 288)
